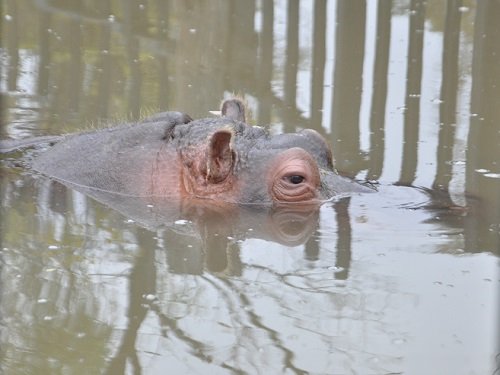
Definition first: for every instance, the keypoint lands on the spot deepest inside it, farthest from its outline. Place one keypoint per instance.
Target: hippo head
(220, 159)
(226, 159)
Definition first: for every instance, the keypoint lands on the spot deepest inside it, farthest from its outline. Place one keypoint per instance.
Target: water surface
(402, 281)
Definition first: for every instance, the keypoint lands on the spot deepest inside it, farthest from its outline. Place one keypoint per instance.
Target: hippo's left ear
(221, 156)
(233, 109)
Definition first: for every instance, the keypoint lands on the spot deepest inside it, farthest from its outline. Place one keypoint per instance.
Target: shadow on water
(407, 94)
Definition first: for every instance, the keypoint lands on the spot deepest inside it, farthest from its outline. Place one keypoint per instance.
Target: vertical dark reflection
(344, 237)
(163, 87)
(348, 84)
(186, 257)
(318, 63)
(235, 265)
(142, 282)
(242, 47)
(75, 71)
(265, 75)
(379, 95)
(44, 52)
(221, 255)
(12, 45)
(3, 118)
(449, 88)
(163, 8)
(292, 60)
(216, 252)
(209, 43)
(104, 64)
(134, 19)
(58, 198)
(413, 91)
(482, 231)
(311, 248)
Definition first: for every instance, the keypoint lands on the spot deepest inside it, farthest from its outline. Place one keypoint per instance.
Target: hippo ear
(220, 156)
(233, 109)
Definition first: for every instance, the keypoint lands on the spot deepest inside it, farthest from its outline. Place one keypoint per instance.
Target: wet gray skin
(223, 159)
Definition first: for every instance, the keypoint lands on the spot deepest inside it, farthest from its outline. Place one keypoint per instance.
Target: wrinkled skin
(222, 159)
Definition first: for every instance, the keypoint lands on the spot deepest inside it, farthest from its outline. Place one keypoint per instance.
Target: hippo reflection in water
(223, 159)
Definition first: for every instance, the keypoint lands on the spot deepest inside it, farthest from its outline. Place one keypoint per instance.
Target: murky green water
(402, 281)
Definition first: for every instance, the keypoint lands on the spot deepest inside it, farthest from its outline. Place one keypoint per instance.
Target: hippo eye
(296, 179)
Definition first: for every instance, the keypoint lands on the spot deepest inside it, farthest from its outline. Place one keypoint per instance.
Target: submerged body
(223, 159)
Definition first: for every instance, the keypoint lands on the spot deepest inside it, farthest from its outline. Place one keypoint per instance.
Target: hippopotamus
(220, 159)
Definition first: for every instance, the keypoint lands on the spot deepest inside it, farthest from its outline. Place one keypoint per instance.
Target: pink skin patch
(294, 177)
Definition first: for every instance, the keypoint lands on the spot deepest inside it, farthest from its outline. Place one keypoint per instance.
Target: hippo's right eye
(296, 179)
